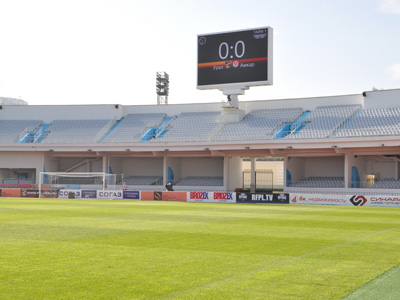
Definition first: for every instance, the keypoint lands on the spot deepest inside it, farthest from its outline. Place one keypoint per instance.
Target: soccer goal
(50, 183)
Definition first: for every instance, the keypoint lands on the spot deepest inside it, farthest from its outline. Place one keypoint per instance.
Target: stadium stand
(132, 127)
(201, 181)
(320, 182)
(387, 183)
(191, 127)
(373, 122)
(324, 120)
(318, 139)
(12, 130)
(257, 125)
(74, 131)
(143, 180)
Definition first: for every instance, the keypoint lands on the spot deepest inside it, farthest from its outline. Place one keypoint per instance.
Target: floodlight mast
(162, 88)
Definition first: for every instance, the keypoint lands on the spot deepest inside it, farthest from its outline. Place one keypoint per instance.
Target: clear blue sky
(108, 51)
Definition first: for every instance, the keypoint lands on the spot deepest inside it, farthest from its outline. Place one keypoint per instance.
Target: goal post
(50, 183)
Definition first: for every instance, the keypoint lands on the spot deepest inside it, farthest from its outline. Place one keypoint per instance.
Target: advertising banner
(68, 194)
(211, 197)
(262, 198)
(150, 195)
(163, 196)
(319, 199)
(109, 195)
(10, 192)
(174, 196)
(131, 195)
(28, 193)
(89, 194)
(18, 186)
(356, 200)
(385, 201)
(46, 193)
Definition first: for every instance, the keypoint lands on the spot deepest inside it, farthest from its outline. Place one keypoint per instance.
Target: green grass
(91, 249)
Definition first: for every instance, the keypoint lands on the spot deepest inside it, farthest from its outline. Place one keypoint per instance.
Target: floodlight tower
(162, 88)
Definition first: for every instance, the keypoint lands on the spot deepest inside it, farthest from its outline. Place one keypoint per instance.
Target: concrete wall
(175, 164)
(361, 163)
(382, 99)
(22, 160)
(324, 166)
(142, 166)
(234, 169)
(305, 103)
(48, 113)
(202, 166)
(382, 167)
(296, 166)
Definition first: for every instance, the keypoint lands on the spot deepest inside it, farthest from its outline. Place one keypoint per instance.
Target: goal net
(51, 183)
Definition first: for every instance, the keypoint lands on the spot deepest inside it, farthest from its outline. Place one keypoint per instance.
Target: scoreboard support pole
(233, 94)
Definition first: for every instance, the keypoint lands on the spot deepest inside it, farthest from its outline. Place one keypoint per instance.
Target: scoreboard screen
(234, 58)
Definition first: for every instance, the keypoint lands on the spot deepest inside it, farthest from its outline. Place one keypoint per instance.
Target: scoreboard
(242, 58)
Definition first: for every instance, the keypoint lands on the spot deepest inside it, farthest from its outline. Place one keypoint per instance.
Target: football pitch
(94, 249)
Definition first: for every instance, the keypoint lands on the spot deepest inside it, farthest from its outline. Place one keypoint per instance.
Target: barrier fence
(209, 197)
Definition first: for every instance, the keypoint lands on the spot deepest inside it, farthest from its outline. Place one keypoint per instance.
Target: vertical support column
(396, 168)
(38, 171)
(347, 170)
(105, 163)
(165, 171)
(285, 167)
(253, 175)
(226, 173)
(105, 171)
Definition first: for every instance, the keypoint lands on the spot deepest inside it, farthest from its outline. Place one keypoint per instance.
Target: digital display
(239, 57)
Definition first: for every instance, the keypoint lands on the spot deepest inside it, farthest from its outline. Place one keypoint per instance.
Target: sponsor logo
(202, 40)
(242, 196)
(282, 197)
(358, 200)
(65, 193)
(261, 197)
(385, 201)
(158, 196)
(89, 194)
(223, 196)
(235, 64)
(296, 199)
(228, 64)
(131, 195)
(107, 194)
(199, 195)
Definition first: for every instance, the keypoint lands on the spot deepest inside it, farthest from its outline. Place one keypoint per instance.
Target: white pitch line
(278, 264)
